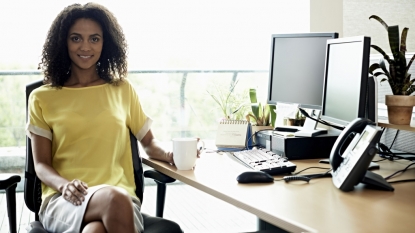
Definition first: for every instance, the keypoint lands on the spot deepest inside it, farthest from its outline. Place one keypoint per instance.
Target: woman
(79, 123)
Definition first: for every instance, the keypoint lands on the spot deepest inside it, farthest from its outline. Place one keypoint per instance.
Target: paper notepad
(232, 133)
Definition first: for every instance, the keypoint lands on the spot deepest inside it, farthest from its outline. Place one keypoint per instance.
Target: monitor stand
(309, 128)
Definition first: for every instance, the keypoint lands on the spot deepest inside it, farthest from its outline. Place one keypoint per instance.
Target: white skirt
(60, 216)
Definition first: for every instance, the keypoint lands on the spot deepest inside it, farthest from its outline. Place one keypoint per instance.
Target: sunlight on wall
(181, 34)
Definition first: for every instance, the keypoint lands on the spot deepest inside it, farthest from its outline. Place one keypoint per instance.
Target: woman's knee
(94, 227)
(108, 201)
(117, 197)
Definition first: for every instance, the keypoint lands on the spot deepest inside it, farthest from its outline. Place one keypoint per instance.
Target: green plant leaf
(410, 63)
(255, 110)
(273, 114)
(251, 116)
(400, 66)
(409, 83)
(403, 40)
(216, 99)
(374, 67)
(380, 21)
(392, 80)
(378, 73)
(411, 90)
(254, 106)
(231, 88)
(252, 96)
(239, 108)
(266, 115)
(261, 110)
(383, 67)
(383, 79)
(393, 34)
(387, 58)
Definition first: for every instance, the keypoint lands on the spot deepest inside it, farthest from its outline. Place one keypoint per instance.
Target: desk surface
(300, 207)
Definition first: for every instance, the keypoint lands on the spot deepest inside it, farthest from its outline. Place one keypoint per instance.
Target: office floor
(194, 210)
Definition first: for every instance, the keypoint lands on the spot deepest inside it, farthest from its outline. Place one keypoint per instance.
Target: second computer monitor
(296, 72)
(346, 89)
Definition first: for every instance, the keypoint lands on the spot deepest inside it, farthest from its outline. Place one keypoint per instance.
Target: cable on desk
(400, 171)
(401, 181)
(311, 168)
(306, 178)
(250, 137)
(291, 178)
(381, 134)
(396, 156)
(396, 135)
(385, 152)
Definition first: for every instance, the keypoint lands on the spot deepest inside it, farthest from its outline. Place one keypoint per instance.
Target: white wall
(326, 16)
(356, 21)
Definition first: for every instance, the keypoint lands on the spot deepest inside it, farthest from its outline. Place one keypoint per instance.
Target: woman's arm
(72, 191)
(154, 150)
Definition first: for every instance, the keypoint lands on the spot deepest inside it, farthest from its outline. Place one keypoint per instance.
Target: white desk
(301, 207)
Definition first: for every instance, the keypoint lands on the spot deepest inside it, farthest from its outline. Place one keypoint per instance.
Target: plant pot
(256, 128)
(399, 108)
(294, 122)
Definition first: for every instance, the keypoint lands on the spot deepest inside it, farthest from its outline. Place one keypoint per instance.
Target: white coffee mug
(185, 152)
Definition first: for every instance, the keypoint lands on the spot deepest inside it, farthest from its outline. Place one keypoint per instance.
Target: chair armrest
(7, 180)
(158, 176)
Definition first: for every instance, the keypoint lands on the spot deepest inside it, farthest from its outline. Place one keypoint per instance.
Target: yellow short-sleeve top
(89, 129)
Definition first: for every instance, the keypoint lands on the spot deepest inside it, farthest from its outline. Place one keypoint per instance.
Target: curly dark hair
(55, 62)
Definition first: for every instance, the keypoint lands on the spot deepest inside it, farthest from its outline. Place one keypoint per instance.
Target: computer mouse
(254, 177)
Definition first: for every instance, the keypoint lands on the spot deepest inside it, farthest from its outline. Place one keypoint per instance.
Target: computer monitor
(345, 94)
(296, 73)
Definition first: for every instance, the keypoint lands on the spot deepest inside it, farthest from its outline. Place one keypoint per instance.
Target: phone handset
(352, 153)
(345, 138)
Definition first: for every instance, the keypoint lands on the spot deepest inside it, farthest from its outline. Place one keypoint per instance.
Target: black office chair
(33, 192)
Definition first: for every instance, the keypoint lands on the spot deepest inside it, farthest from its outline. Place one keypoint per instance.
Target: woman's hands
(169, 155)
(155, 151)
(74, 192)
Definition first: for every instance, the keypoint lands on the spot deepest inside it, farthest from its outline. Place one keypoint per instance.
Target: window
(185, 48)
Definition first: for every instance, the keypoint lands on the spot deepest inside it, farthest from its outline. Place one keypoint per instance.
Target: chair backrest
(32, 185)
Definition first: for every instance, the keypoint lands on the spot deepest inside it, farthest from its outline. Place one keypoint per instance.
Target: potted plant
(401, 103)
(231, 104)
(297, 121)
(262, 116)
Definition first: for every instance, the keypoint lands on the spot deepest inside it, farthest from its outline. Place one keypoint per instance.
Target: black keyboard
(266, 161)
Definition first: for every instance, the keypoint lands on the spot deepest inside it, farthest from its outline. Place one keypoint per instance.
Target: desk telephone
(352, 153)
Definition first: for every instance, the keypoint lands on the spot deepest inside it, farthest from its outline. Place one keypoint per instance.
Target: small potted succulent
(401, 103)
(262, 116)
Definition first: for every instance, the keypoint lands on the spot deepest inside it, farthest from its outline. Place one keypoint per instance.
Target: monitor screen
(346, 79)
(296, 72)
